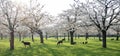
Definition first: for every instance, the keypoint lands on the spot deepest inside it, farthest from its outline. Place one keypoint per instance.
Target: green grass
(93, 48)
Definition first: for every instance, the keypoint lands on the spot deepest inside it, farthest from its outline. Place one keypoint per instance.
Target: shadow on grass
(62, 50)
(7, 52)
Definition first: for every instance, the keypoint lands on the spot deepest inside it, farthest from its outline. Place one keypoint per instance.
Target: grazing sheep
(26, 43)
(112, 39)
(82, 42)
(61, 41)
(85, 42)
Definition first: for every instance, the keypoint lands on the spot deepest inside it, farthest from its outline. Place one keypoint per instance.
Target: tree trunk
(12, 40)
(56, 37)
(46, 35)
(117, 36)
(99, 36)
(32, 36)
(64, 35)
(104, 45)
(41, 37)
(71, 35)
(19, 36)
(86, 36)
(78, 36)
(68, 36)
(1, 35)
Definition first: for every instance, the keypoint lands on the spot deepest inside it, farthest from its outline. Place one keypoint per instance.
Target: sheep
(85, 42)
(26, 43)
(82, 42)
(112, 39)
(61, 41)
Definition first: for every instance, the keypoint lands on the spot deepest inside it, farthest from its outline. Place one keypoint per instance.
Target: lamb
(26, 43)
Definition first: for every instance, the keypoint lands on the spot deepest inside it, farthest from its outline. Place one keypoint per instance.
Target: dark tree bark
(32, 32)
(99, 36)
(117, 38)
(78, 36)
(38, 31)
(1, 35)
(12, 40)
(46, 35)
(71, 35)
(41, 38)
(19, 36)
(57, 35)
(32, 36)
(104, 45)
(86, 36)
(68, 36)
(64, 35)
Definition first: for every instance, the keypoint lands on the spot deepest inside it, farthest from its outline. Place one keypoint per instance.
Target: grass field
(93, 48)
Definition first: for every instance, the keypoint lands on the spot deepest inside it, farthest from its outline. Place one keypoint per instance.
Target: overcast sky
(53, 7)
(56, 6)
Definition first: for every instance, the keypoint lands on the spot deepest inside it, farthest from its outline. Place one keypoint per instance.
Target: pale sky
(53, 7)
(56, 6)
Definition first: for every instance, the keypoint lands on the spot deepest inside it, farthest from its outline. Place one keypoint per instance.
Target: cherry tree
(9, 18)
(103, 13)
